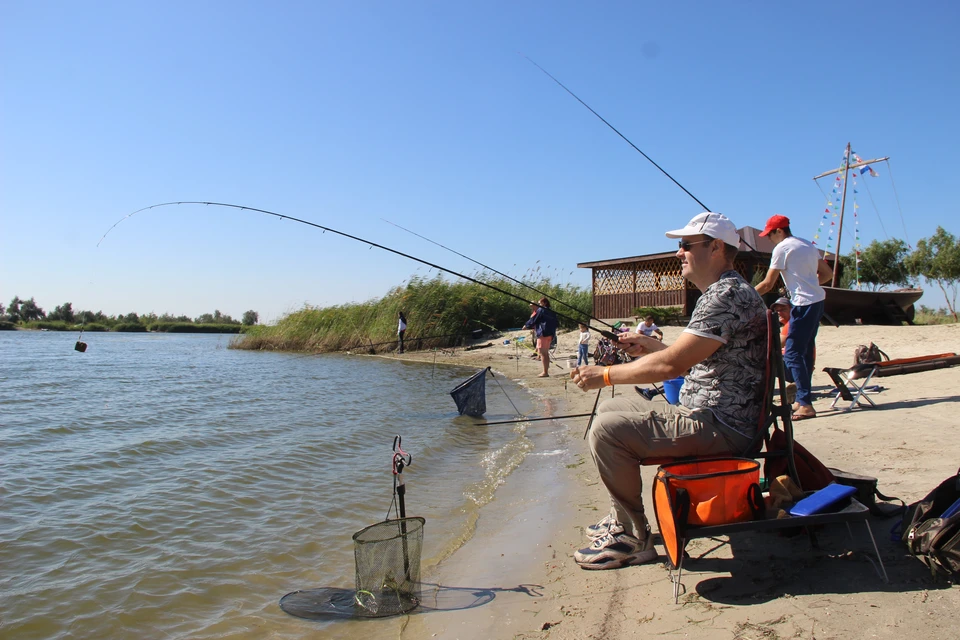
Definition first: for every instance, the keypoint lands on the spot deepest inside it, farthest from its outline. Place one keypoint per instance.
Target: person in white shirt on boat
(798, 262)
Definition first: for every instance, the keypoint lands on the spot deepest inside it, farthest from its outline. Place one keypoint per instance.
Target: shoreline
(755, 585)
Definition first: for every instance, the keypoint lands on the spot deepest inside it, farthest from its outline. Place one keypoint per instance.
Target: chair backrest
(774, 414)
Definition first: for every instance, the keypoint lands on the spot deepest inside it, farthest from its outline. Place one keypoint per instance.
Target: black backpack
(932, 537)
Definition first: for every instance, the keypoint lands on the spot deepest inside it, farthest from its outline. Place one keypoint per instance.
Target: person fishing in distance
(401, 330)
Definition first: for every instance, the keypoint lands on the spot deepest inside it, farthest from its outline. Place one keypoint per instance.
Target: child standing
(583, 345)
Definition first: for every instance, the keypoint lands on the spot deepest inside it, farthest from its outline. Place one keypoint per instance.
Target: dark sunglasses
(686, 244)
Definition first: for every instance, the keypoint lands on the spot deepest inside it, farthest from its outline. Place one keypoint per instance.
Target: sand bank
(755, 586)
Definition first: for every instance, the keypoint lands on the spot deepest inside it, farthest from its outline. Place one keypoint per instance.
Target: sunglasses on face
(686, 244)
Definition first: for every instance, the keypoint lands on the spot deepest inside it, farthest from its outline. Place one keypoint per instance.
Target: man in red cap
(799, 263)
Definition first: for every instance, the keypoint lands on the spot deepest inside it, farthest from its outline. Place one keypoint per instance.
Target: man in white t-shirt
(648, 328)
(803, 271)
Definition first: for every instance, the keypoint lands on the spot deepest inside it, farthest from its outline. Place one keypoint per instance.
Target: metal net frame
(387, 558)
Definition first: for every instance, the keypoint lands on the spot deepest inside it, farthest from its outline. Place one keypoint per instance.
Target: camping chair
(849, 390)
(769, 413)
(774, 413)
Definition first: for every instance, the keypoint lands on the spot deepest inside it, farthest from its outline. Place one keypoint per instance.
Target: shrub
(130, 327)
(439, 313)
(662, 316)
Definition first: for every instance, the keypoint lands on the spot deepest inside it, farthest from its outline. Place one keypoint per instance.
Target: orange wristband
(606, 377)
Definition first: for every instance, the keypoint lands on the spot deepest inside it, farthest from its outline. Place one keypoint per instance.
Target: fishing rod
(627, 140)
(573, 415)
(607, 334)
(500, 273)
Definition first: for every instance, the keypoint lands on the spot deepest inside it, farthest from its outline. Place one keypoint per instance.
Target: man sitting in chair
(724, 348)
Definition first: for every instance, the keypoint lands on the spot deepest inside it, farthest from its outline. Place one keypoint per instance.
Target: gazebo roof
(750, 242)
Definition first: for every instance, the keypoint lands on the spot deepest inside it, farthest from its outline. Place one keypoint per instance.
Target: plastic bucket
(571, 363)
(671, 389)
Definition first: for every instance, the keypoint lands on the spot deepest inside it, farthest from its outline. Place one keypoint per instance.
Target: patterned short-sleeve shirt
(729, 383)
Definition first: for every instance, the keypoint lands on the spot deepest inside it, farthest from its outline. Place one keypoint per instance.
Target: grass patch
(440, 313)
(934, 317)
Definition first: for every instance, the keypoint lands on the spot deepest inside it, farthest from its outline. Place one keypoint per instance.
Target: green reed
(440, 313)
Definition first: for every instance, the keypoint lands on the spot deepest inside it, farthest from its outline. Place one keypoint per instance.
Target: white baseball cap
(715, 225)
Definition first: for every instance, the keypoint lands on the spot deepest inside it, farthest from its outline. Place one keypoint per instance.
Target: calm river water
(167, 486)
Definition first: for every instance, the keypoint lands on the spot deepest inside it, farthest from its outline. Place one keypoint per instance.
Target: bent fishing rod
(603, 332)
(627, 140)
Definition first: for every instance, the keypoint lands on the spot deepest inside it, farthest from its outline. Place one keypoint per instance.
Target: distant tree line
(28, 314)
(889, 263)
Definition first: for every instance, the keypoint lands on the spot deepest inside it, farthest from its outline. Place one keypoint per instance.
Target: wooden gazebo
(653, 280)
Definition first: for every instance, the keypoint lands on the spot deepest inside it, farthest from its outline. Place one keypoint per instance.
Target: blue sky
(426, 114)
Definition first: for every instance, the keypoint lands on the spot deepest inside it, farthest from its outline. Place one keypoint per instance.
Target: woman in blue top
(544, 321)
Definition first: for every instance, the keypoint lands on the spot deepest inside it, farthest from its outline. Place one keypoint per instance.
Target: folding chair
(772, 415)
(845, 381)
(849, 390)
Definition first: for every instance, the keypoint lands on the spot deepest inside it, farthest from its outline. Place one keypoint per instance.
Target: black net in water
(471, 395)
(388, 566)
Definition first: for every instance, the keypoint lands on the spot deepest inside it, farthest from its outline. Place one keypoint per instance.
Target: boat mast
(843, 203)
(845, 169)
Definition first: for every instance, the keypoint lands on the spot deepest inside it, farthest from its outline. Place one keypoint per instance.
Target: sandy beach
(525, 583)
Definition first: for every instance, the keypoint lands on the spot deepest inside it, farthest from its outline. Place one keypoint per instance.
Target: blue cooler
(671, 389)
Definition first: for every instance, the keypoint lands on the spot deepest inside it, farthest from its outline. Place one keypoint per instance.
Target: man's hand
(637, 344)
(588, 377)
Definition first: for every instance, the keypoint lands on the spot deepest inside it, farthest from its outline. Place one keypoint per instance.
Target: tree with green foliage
(847, 277)
(250, 318)
(14, 309)
(938, 258)
(30, 311)
(63, 312)
(881, 264)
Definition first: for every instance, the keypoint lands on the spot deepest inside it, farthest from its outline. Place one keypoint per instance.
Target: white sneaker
(608, 525)
(613, 551)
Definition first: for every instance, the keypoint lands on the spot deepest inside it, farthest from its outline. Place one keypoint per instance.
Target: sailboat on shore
(851, 306)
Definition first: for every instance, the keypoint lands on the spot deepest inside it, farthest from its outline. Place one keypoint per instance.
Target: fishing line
(80, 346)
(627, 140)
(504, 391)
(603, 332)
(500, 273)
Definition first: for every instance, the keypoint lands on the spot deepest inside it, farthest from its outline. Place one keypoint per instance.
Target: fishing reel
(401, 458)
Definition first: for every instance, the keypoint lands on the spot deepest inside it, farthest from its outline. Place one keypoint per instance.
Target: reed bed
(440, 313)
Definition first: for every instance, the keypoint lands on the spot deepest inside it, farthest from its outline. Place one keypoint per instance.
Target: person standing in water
(545, 322)
(401, 329)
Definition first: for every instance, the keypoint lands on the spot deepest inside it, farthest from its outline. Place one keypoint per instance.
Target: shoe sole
(638, 558)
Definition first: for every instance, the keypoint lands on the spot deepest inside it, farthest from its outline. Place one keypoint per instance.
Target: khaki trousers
(628, 430)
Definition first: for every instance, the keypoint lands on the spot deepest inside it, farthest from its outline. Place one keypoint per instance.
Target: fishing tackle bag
(606, 353)
(867, 493)
(931, 529)
(702, 493)
(871, 354)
